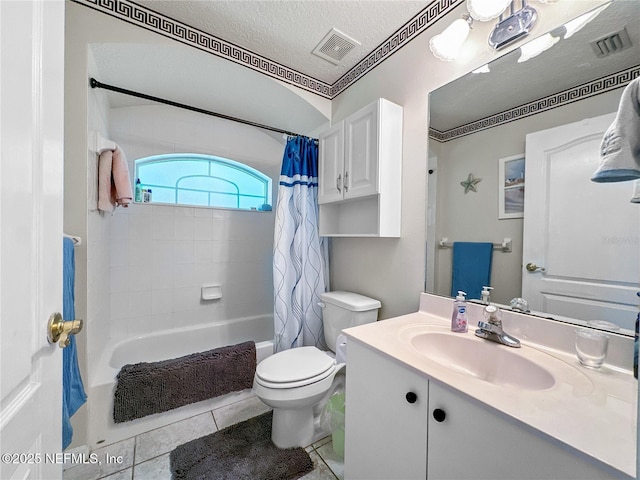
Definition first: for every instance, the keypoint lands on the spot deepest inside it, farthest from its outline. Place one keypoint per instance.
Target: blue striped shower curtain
(300, 255)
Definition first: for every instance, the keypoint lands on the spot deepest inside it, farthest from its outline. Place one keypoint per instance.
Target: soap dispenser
(459, 316)
(485, 295)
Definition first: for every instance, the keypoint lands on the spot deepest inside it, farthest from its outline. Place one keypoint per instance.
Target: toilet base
(293, 427)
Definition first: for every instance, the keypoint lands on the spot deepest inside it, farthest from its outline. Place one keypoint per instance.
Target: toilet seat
(294, 368)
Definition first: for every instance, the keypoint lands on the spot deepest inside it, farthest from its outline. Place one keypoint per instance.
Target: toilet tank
(346, 309)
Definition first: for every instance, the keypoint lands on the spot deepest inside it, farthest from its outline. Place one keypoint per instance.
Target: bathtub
(165, 345)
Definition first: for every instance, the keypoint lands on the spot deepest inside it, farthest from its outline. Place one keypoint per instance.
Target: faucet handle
(489, 327)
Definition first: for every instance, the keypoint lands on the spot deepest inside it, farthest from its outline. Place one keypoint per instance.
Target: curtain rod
(96, 84)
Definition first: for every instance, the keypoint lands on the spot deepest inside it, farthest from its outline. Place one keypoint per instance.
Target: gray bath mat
(147, 388)
(242, 451)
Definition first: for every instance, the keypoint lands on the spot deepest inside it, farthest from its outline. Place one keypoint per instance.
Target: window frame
(210, 160)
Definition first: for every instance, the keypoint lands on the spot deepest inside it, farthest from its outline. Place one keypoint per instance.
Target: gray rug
(147, 388)
(241, 452)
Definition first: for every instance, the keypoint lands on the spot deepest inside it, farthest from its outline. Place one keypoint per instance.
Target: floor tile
(121, 451)
(239, 412)
(164, 439)
(320, 470)
(332, 459)
(158, 468)
(121, 475)
(321, 442)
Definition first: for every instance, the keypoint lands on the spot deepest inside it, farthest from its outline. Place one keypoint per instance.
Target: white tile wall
(160, 256)
(99, 235)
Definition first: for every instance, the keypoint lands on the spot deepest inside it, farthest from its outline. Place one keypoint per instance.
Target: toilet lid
(294, 365)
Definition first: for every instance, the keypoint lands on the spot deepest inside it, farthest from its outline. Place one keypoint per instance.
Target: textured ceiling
(567, 64)
(288, 31)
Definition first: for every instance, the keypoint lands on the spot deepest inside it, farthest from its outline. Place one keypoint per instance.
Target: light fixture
(446, 45)
(511, 27)
(536, 47)
(485, 10)
(514, 27)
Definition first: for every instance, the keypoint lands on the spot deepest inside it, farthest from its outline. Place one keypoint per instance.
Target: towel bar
(76, 240)
(504, 246)
(99, 143)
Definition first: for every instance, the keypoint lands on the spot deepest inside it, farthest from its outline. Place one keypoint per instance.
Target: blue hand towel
(471, 267)
(73, 395)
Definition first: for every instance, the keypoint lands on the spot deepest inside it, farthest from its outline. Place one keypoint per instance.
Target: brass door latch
(58, 330)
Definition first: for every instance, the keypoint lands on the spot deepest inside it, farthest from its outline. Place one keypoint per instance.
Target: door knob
(59, 330)
(532, 267)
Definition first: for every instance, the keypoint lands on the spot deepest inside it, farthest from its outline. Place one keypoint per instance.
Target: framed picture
(511, 187)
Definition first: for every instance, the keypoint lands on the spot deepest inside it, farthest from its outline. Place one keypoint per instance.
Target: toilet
(295, 382)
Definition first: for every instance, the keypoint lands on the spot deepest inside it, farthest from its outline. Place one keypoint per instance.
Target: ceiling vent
(613, 43)
(334, 46)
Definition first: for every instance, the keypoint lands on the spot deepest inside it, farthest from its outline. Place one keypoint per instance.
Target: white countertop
(591, 410)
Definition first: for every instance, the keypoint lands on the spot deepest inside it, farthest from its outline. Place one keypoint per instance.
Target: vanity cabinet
(469, 440)
(401, 425)
(359, 173)
(386, 418)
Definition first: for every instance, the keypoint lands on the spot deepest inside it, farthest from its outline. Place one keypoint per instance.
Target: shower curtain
(300, 256)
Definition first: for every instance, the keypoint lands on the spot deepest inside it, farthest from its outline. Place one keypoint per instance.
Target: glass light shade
(446, 46)
(536, 47)
(485, 10)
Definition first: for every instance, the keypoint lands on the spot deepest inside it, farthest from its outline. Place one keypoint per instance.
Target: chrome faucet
(492, 328)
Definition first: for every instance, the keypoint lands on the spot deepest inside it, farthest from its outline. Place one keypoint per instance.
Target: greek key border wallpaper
(138, 15)
(150, 20)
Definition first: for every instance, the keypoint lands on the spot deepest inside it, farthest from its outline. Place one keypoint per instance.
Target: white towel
(620, 148)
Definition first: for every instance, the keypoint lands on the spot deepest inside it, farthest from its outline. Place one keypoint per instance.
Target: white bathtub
(162, 346)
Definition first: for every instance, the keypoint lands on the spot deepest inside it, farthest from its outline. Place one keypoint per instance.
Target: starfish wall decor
(470, 183)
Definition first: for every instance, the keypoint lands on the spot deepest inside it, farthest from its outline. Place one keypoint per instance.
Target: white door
(361, 152)
(331, 164)
(31, 182)
(583, 234)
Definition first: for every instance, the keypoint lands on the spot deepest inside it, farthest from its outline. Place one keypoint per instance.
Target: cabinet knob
(411, 397)
(439, 415)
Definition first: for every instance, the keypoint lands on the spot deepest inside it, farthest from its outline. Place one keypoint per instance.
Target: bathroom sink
(484, 360)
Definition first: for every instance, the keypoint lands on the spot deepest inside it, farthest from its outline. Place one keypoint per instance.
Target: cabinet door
(361, 152)
(386, 418)
(468, 440)
(331, 164)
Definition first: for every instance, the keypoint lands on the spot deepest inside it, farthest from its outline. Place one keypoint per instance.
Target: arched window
(203, 180)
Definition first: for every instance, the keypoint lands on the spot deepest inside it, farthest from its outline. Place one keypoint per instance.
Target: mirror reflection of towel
(620, 148)
(471, 268)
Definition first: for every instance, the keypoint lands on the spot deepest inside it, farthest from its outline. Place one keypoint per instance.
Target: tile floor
(146, 456)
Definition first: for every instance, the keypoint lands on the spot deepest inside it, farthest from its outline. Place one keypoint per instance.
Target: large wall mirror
(538, 124)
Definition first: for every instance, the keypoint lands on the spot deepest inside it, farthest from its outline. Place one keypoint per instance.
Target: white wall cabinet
(400, 425)
(360, 173)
